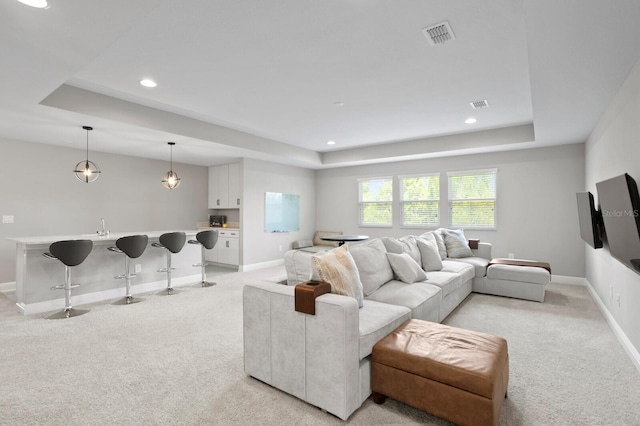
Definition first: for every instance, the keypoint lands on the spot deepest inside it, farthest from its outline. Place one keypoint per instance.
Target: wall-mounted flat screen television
(620, 208)
(589, 219)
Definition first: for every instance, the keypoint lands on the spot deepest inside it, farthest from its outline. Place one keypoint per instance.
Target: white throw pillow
(457, 244)
(437, 236)
(431, 260)
(406, 244)
(338, 269)
(405, 268)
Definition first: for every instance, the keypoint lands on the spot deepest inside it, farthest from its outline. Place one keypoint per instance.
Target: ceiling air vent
(439, 33)
(479, 104)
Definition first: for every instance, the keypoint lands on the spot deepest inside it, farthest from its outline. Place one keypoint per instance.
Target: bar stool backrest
(207, 238)
(71, 252)
(173, 241)
(133, 245)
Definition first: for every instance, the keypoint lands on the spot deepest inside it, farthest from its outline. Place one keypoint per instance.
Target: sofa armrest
(313, 357)
(483, 250)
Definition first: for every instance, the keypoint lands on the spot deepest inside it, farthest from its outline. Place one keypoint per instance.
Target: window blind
(419, 199)
(472, 199)
(376, 201)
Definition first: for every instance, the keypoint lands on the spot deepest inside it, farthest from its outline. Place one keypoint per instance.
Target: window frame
(402, 202)
(493, 171)
(362, 203)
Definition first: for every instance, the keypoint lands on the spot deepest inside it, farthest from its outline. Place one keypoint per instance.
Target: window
(472, 199)
(419, 200)
(376, 197)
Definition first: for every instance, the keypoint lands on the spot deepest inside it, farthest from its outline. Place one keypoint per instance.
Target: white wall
(260, 177)
(611, 150)
(45, 198)
(536, 206)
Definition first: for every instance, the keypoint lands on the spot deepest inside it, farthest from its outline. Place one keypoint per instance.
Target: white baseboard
(101, 296)
(619, 333)
(10, 286)
(262, 265)
(564, 279)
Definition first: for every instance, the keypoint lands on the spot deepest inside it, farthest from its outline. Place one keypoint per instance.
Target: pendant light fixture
(87, 171)
(171, 179)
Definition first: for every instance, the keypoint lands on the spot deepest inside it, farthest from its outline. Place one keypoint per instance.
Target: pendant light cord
(87, 145)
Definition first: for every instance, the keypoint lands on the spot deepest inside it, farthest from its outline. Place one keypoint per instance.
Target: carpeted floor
(177, 360)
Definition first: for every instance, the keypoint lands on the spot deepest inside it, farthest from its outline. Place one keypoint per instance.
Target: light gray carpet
(177, 360)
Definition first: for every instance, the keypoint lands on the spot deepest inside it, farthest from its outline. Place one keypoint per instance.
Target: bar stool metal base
(205, 284)
(168, 292)
(67, 313)
(129, 300)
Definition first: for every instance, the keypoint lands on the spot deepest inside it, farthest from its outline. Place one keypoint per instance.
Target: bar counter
(35, 274)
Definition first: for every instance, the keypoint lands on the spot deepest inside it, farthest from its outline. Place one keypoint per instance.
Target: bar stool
(172, 242)
(132, 246)
(207, 240)
(70, 253)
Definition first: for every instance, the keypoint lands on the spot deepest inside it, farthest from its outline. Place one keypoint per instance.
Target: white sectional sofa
(324, 359)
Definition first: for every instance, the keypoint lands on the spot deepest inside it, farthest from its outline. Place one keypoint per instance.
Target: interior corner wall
(45, 198)
(263, 176)
(536, 203)
(613, 149)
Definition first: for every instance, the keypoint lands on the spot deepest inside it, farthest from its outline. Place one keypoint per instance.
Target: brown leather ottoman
(456, 374)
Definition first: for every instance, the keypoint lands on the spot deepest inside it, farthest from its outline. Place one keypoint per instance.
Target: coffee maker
(217, 221)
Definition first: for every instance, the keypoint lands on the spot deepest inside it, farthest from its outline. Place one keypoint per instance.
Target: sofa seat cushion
(422, 298)
(479, 263)
(447, 281)
(465, 270)
(525, 274)
(376, 321)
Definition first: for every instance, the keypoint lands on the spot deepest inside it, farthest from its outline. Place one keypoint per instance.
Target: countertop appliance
(217, 221)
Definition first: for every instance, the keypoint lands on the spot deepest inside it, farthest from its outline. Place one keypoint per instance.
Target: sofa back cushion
(431, 260)
(406, 244)
(373, 266)
(439, 239)
(337, 268)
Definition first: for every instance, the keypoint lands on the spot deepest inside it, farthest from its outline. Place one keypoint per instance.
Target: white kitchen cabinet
(234, 185)
(224, 186)
(211, 255)
(227, 249)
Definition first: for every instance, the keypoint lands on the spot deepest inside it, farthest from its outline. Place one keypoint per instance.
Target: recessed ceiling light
(470, 120)
(331, 142)
(40, 4)
(148, 83)
(339, 103)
